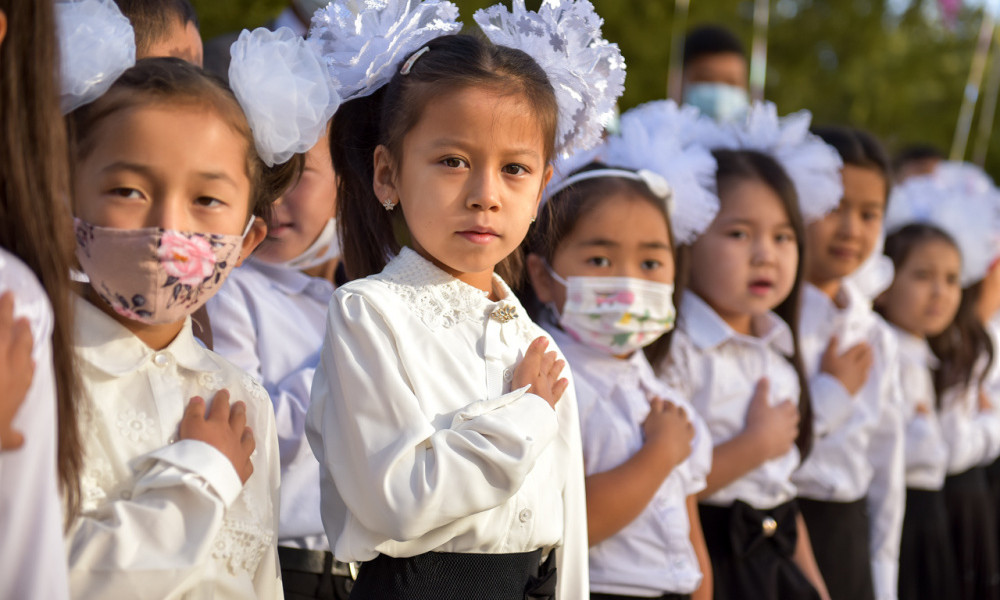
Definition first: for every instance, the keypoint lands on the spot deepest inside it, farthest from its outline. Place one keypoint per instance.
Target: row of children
(453, 436)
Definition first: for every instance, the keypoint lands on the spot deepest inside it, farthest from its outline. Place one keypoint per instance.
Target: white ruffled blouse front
(423, 444)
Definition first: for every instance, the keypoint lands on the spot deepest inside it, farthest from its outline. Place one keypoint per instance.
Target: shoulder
(30, 299)
(241, 385)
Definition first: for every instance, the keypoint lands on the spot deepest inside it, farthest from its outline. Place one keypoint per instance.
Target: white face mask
(720, 101)
(616, 314)
(325, 248)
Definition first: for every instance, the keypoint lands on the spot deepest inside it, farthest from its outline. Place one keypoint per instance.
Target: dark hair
(915, 152)
(961, 343)
(559, 216)
(34, 217)
(172, 81)
(152, 19)
(736, 166)
(858, 148)
(710, 39)
(454, 62)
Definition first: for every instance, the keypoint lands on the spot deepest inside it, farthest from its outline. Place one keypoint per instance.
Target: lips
(843, 253)
(760, 287)
(479, 235)
(280, 228)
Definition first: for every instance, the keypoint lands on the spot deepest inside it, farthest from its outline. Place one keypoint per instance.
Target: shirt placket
(168, 393)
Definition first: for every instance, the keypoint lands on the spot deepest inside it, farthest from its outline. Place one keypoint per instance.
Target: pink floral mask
(152, 275)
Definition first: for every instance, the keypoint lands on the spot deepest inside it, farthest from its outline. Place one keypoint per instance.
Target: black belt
(317, 562)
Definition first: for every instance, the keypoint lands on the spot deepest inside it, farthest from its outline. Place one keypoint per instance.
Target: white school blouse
(162, 517)
(718, 369)
(32, 556)
(972, 435)
(269, 321)
(858, 447)
(924, 444)
(423, 444)
(653, 554)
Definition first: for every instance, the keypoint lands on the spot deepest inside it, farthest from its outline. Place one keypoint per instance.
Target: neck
(830, 288)
(156, 337)
(327, 270)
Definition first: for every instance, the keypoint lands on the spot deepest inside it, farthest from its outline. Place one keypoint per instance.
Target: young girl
(969, 424)
(39, 442)
(268, 319)
(180, 497)
(734, 335)
(603, 246)
(852, 487)
(465, 465)
(921, 303)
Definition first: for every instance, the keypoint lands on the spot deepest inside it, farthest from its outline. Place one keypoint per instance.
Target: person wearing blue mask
(715, 73)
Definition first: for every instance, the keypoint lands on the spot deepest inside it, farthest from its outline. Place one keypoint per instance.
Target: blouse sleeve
(396, 472)
(156, 539)
(832, 404)
(573, 578)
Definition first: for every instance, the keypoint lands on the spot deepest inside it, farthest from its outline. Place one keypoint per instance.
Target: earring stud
(388, 204)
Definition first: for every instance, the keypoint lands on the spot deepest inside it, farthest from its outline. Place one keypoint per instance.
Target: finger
(532, 357)
(557, 368)
(247, 470)
(655, 405)
(238, 416)
(195, 409)
(559, 388)
(762, 390)
(21, 342)
(545, 365)
(219, 410)
(12, 440)
(247, 441)
(831, 348)
(6, 310)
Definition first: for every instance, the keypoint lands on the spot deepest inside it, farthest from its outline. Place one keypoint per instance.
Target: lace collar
(440, 300)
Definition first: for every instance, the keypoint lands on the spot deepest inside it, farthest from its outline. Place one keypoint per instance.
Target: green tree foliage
(890, 66)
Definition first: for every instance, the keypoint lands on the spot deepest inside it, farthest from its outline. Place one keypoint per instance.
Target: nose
(484, 192)
(848, 224)
(763, 251)
(168, 213)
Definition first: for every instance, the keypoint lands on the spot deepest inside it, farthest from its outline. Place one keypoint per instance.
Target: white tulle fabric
(658, 136)
(812, 164)
(283, 87)
(587, 72)
(962, 200)
(362, 42)
(96, 45)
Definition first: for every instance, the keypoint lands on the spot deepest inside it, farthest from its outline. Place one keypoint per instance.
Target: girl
(744, 266)
(920, 304)
(40, 444)
(969, 423)
(605, 234)
(269, 319)
(852, 488)
(179, 496)
(465, 465)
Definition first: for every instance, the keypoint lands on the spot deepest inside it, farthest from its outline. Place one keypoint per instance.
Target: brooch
(503, 314)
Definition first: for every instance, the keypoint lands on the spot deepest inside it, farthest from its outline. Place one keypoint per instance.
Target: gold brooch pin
(503, 314)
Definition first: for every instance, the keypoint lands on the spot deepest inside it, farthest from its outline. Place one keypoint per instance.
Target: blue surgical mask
(721, 101)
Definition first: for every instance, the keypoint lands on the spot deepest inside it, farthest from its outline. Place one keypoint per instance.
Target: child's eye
(783, 238)
(125, 192)
(737, 234)
(599, 261)
(871, 216)
(515, 169)
(453, 162)
(208, 201)
(953, 279)
(651, 265)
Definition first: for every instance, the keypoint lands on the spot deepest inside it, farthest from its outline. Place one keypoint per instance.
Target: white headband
(655, 182)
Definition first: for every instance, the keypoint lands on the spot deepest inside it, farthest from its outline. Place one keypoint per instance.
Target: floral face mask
(616, 314)
(153, 275)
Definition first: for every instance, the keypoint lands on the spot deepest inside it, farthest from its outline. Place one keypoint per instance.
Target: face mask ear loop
(249, 225)
(554, 275)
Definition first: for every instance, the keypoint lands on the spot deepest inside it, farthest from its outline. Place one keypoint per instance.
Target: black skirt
(840, 541)
(751, 552)
(993, 479)
(457, 576)
(599, 596)
(926, 559)
(971, 517)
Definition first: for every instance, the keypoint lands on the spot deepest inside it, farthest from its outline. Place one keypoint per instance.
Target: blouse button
(508, 375)
(525, 515)
(161, 359)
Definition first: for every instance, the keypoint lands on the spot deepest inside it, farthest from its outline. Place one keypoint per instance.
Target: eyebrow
(453, 142)
(601, 242)
(751, 223)
(146, 171)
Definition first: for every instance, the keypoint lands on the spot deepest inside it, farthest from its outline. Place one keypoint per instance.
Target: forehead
(623, 217)
(720, 67)
(751, 200)
(934, 252)
(864, 185)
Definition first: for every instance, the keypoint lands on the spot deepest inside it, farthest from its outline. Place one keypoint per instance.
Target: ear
(541, 279)
(3, 26)
(546, 178)
(384, 178)
(256, 235)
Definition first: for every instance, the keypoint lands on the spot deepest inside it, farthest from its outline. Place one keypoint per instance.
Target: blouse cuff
(204, 460)
(538, 422)
(884, 575)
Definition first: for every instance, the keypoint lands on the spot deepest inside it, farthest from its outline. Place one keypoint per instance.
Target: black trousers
(926, 558)
(840, 541)
(751, 552)
(306, 575)
(970, 518)
(457, 576)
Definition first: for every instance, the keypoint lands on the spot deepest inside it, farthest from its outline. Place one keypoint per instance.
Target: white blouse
(414, 387)
(653, 554)
(162, 517)
(925, 446)
(32, 555)
(858, 447)
(269, 321)
(718, 369)
(972, 435)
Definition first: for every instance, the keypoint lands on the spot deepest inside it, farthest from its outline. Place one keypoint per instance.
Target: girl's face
(469, 179)
(622, 236)
(837, 244)
(744, 264)
(302, 213)
(174, 167)
(924, 296)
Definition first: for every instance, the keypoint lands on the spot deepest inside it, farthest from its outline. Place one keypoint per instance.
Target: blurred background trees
(895, 67)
